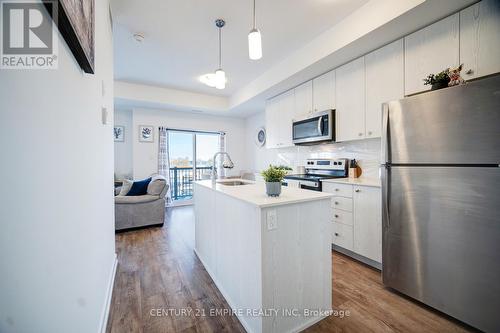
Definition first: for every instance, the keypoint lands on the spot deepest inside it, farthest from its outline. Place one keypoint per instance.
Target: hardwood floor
(158, 272)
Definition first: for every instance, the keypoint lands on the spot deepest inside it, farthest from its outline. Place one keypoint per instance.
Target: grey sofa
(133, 212)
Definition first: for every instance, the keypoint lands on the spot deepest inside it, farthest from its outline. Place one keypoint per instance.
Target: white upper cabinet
(368, 222)
(303, 99)
(272, 123)
(350, 101)
(285, 118)
(279, 114)
(429, 51)
(384, 82)
(324, 92)
(480, 39)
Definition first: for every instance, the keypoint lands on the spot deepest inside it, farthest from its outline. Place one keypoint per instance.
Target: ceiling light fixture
(218, 79)
(220, 75)
(254, 40)
(208, 79)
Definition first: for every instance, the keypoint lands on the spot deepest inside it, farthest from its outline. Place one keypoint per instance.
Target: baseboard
(109, 294)
(139, 228)
(364, 260)
(309, 324)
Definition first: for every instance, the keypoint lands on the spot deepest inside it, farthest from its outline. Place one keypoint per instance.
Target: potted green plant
(285, 168)
(439, 80)
(273, 176)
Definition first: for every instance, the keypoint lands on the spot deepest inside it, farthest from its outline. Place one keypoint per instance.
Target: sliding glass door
(191, 155)
(206, 147)
(181, 156)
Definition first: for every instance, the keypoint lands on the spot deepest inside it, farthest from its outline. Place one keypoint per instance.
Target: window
(190, 155)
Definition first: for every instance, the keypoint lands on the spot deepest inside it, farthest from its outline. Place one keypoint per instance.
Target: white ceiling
(181, 38)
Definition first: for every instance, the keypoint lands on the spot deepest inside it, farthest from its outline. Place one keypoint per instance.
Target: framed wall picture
(146, 133)
(76, 22)
(119, 133)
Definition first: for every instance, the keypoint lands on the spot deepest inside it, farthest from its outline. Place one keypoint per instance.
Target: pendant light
(254, 40)
(220, 75)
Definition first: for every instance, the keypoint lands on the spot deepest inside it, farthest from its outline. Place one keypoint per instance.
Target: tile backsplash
(366, 152)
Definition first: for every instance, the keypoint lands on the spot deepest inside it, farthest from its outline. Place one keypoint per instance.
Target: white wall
(366, 152)
(145, 155)
(56, 199)
(123, 150)
(127, 92)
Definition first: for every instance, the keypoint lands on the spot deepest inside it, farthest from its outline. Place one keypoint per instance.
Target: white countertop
(255, 193)
(374, 182)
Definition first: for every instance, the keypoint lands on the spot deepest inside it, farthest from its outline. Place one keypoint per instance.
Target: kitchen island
(269, 257)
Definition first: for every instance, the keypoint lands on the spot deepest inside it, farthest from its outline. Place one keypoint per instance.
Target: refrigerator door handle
(386, 196)
(385, 134)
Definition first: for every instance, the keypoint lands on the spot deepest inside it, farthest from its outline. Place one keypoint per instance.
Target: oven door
(310, 185)
(316, 127)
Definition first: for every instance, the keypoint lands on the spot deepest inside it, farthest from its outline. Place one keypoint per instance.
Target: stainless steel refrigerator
(441, 200)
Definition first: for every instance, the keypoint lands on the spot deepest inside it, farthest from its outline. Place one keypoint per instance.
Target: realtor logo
(28, 35)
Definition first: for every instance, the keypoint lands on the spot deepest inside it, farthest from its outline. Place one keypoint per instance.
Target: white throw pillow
(126, 186)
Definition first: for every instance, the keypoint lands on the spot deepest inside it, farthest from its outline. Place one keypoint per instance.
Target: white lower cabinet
(368, 222)
(343, 236)
(357, 219)
(340, 216)
(342, 203)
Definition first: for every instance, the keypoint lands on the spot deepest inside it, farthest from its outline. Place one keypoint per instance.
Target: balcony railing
(181, 181)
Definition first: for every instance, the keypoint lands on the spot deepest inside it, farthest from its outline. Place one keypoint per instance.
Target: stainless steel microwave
(316, 127)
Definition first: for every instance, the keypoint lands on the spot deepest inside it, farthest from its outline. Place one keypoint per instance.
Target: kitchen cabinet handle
(336, 190)
(360, 134)
(469, 72)
(320, 125)
(369, 132)
(336, 215)
(336, 234)
(336, 202)
(357, 190)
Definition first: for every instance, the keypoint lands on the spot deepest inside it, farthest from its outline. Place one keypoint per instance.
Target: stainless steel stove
(317, 170)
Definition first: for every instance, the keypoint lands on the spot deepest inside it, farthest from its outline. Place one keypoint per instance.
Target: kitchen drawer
(343, 236)
(342, 203)
(341, 216)
(342, 190)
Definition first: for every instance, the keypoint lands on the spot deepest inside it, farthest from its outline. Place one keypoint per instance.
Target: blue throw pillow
(139, 187)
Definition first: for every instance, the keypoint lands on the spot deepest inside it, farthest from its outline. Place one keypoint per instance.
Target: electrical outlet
(272, 220)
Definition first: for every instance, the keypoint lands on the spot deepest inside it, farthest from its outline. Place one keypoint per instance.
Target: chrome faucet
(225, 164)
